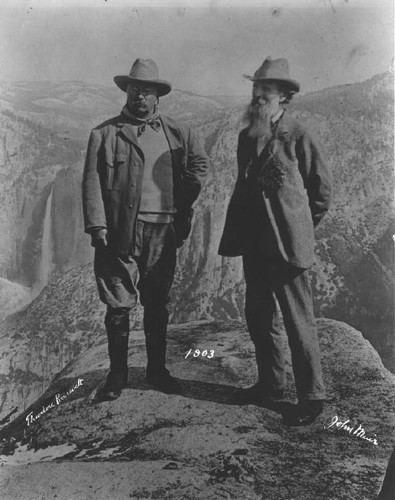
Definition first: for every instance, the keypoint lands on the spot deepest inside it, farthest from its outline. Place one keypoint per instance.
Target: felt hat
(276, 70)
(143, 72)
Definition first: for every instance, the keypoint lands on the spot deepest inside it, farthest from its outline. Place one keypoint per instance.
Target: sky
(200, 46)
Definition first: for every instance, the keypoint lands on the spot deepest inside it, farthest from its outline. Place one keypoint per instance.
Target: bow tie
(154, 123)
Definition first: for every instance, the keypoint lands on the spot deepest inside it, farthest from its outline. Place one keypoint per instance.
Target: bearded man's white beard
(258, 118)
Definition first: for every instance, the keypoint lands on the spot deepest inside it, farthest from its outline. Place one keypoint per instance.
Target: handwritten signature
(30, 418)
(351, 429)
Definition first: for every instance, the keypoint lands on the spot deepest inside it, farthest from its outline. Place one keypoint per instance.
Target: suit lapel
(128, 132)
(172, 134)
(283, 128)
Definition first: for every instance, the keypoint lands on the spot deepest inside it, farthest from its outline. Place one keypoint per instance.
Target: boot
(117, 325)
(155, 328)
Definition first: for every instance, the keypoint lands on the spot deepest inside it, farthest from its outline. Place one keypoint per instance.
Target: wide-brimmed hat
(143, 72)
(275, 70)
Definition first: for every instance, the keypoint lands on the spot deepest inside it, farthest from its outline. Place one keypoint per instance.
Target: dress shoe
(256, 394)
(166, 384)
(306, 412)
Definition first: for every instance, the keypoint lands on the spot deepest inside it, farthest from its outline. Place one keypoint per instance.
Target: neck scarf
(153, 121)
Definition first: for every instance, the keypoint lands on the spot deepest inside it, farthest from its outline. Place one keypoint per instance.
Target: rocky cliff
(40, 340)
(197, 445)
(45, 129)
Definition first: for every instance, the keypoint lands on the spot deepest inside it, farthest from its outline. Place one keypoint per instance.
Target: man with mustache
(143, 172)
(281, 194)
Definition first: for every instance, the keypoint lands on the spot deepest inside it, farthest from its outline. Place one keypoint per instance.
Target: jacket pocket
(114, 172)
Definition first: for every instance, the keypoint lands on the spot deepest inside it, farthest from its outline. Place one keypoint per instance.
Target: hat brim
(292, 85)
(163, 86)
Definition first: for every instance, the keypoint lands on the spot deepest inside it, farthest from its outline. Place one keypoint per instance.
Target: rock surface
(148, 445)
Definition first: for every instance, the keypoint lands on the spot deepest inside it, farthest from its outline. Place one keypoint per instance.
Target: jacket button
(131, 205)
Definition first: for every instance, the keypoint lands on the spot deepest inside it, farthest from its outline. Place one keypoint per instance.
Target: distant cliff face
(44, 132)
(31, 155)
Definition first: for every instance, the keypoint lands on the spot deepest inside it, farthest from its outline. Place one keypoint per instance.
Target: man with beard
(143, 172)
(281, 194)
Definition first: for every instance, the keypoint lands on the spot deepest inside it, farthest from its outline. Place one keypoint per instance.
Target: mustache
(259, 101)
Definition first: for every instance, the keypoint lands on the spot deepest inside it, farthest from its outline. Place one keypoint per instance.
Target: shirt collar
(277, 116)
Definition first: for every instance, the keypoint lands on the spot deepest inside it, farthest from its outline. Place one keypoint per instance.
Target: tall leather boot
(155, 328)
(156, 357)
(117, 325)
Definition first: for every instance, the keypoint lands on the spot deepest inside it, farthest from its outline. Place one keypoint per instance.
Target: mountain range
(44, 129)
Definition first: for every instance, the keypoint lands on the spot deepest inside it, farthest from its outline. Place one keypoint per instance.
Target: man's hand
(182, 226)
(99, 237)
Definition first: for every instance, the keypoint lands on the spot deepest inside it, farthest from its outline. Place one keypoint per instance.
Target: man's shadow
(93, 380)
(198, 390)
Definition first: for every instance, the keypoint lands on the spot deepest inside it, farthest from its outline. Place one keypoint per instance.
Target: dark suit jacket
(296, 208)
(113, 175)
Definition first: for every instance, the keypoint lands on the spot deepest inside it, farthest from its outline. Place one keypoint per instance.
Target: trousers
(269, 277)
(146, 275)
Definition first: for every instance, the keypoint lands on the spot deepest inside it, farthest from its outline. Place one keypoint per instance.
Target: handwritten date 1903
(197, 352)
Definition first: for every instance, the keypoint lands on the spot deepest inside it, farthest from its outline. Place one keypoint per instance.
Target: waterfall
(45, 264)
